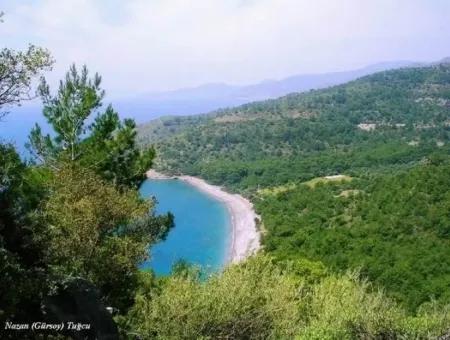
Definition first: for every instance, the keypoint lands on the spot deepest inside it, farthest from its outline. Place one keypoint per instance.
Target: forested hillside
(348, 233)
(388, 119)
(73, 229)
(394, 228)
(354, 176)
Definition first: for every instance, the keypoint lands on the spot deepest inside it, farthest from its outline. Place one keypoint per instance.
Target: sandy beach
(245, 238)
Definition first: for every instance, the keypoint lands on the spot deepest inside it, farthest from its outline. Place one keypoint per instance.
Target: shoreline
(245, 238)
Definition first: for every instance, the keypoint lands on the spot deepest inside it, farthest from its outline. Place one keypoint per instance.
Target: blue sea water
(201, 234)
(15, 127)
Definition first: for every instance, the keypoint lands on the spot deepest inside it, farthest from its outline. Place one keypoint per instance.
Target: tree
(107, 145)
(24, 280)
(17, 71)
(99, 233)
(24, 271)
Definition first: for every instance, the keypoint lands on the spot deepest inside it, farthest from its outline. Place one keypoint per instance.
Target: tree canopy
(74, 221)
(83, 134)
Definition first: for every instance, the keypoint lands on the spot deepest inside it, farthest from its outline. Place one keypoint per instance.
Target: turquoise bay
(201, 234)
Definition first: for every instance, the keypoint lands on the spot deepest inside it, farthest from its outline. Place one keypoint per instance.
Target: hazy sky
(150, 45)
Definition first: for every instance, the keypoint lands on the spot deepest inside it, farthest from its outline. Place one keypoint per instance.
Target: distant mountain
(209, 97)
(197, 100)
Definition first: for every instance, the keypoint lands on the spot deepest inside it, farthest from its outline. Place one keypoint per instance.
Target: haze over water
(201, 234)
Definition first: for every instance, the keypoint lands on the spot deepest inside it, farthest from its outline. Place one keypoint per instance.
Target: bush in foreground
(257, 300)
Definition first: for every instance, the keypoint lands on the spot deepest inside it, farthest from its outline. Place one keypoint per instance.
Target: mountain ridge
(406, 103)
(212, 96)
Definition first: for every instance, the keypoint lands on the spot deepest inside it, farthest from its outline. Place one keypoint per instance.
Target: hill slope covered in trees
(395, 229)
(73, 231)
(389, 133)
(384, 120)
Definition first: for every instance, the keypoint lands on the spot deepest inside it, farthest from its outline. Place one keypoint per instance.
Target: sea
(15, 126)
(202, 232)
(201, 235)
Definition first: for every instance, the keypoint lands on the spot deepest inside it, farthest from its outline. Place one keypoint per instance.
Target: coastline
(245, 238)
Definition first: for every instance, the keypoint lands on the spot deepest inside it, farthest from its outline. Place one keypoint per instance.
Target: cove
(201, 235)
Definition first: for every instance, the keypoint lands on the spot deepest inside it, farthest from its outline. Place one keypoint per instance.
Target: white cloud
(141, 45)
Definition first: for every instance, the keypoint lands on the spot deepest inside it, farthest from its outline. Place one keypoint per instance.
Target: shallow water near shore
(202, 232)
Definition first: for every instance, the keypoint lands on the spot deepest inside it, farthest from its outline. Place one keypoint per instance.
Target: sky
(141, 46)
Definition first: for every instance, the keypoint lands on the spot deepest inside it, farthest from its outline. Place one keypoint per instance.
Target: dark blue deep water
(201, 234)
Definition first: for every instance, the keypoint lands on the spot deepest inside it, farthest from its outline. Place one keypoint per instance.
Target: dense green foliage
(21, 253)
(305, 135)
(395, 228)
(389, 131)
(69, 218)
(76, 216)
(107, 145)
(99, 233)
(258, 300)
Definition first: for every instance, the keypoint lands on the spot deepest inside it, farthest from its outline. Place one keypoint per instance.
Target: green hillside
(389, 119)
(349, 185)
(354, 176)
(395, 229)
(355, 223)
